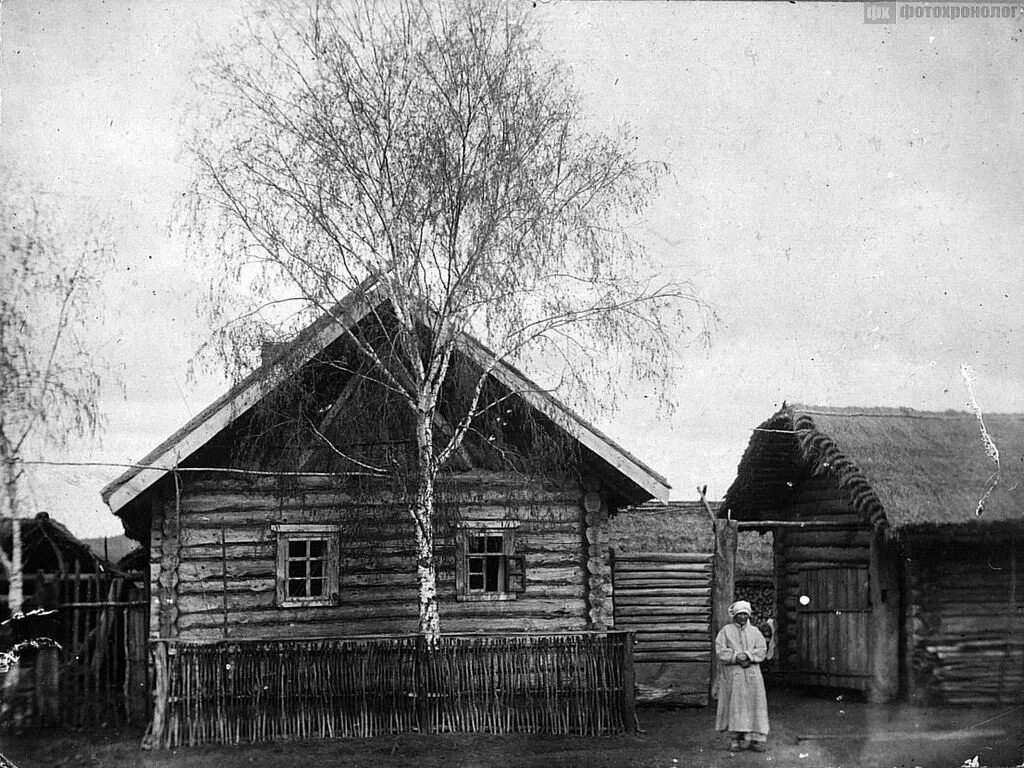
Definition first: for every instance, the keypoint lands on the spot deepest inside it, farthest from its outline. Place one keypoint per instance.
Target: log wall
(214, 560)
(965, 621)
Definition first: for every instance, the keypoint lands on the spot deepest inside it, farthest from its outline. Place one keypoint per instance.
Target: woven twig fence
(232, 692)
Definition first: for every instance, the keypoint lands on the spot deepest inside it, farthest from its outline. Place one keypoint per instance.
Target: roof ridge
(889, 411)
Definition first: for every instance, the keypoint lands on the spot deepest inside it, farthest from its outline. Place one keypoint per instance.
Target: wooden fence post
(136, 683)
(628, 684)
(154, 738)
(885, 611)
(724, 573)
(47, 667)
(419, 678)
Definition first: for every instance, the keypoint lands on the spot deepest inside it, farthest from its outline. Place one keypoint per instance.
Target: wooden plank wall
(965, 622)
(665, 598)
(228, 589)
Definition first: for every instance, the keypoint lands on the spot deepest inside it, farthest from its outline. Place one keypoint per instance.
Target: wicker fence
(249, 691)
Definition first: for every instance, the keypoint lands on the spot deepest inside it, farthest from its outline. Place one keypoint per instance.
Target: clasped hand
(743, 659)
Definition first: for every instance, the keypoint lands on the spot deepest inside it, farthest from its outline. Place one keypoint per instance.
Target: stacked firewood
(760, 593)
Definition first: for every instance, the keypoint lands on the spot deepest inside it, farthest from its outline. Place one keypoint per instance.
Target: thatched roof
(897, 467)
(48, 546)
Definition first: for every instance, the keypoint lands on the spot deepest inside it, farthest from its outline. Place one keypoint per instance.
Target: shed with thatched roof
(48, 547)
(898, 541)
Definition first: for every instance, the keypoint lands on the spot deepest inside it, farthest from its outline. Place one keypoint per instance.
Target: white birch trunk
(422, 510)
(15, 579)
(12, 564)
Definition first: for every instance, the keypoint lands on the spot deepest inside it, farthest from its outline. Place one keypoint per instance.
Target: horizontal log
(824, 555)
(647, 583)
(681, 591)
(497, 624)
(678, 596)
(654, 631)
(704, 648)
(203, 614)
(631, 561)
(663, 657)
(201, 570)
(646, 570)
(232, 512)
(644, 585)
(665, 626)
(257, 551)
(843, 537)
(251, 535)
(452, 486)
(266, 583)
(652, 646)
(542, 591)
(698, 609)
(679, 627)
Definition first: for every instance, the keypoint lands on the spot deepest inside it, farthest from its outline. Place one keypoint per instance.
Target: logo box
(879, 13)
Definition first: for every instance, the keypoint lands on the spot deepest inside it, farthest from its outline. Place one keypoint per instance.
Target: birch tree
(434, 154)
(49, 383)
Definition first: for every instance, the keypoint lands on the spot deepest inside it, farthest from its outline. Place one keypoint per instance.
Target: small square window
(307, 565)
(486, 567)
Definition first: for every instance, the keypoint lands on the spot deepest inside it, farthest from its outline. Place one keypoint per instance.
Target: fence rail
(231, 692)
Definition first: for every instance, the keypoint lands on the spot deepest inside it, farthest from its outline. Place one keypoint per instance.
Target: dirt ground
(808, 731)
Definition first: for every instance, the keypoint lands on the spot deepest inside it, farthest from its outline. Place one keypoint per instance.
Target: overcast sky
(847, 196)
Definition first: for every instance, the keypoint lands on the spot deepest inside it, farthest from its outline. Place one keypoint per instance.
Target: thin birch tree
(433, 154)
(49, 382)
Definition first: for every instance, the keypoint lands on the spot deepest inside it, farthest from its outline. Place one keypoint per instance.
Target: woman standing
(742, 704)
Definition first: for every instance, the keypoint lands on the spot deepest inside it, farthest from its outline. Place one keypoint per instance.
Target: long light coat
(742, 704)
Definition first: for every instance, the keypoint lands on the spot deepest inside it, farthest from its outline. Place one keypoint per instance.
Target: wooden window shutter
(282, 569)
(460, 563)
(516, 574)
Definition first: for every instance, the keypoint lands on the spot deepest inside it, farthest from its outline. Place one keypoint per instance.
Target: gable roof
(199, 430)
(898, 467)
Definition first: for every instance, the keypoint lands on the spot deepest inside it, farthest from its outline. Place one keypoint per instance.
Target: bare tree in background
(49, 383)
(430, 153)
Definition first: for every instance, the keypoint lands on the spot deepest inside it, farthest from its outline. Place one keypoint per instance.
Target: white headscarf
(740, 606)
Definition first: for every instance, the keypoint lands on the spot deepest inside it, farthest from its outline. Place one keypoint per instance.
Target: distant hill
(117, 546)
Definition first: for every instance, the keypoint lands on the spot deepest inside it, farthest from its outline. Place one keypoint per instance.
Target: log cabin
(280, 511)
(898, 544)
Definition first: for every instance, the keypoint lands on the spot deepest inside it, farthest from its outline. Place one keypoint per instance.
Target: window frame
(287, 532)
(512, 568)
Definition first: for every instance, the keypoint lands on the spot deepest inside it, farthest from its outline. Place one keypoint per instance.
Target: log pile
(760, 593)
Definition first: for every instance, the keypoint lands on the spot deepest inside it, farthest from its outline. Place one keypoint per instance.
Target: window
(307, 565)
(487, 567)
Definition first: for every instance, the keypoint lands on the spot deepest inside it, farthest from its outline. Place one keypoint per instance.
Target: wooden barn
(263, 532)
(898, 548)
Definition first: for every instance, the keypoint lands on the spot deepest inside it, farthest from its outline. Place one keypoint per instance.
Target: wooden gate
(833, 616)
(665, 598)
